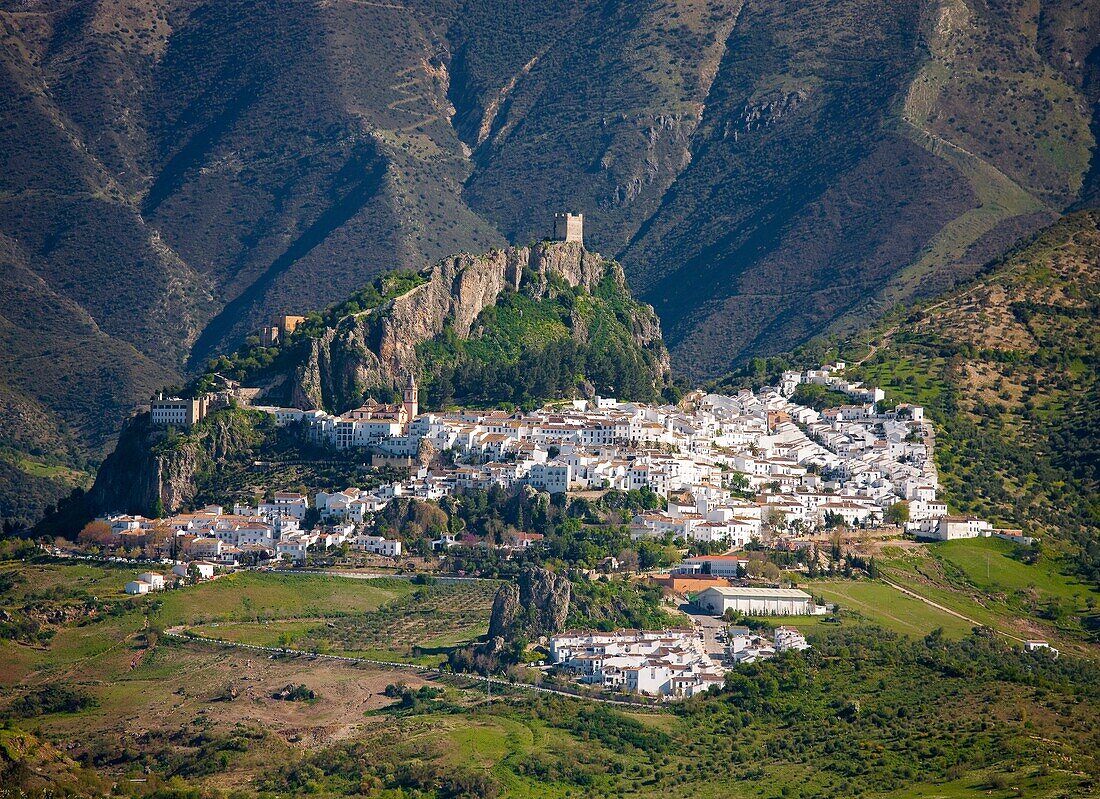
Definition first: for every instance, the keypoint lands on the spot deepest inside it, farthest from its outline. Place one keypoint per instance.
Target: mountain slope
(842, 167)
(176, 170)
(1006, 366)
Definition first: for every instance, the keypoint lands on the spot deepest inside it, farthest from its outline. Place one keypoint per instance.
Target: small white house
(377, 544)
(205, 569)
(952, 528)
(788, 638)
(156, 581)
(138, 587)
(1038, 645)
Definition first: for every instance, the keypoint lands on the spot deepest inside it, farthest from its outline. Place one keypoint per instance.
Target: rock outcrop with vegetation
(522, 325)
(536, 604)
(154, 470)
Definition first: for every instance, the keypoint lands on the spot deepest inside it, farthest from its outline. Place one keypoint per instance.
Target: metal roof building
(756, 601)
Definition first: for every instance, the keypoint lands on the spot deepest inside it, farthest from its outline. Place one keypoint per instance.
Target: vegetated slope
(864, 712)
(865, 689)
(174, 171)
(519, 325)
(1007, 368)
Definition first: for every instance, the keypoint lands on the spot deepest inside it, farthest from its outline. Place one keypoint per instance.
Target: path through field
(181, 633)
(938, 606)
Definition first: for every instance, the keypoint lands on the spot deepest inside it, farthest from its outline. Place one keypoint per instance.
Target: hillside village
(671, 664)
(754, 467)
(329, 466)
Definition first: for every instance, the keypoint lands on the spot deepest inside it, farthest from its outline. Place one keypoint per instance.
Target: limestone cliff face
(141, 470)
(536, 604)
(147, 465)
(379, 348)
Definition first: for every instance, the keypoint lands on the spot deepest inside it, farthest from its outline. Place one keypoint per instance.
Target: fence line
(420, 668)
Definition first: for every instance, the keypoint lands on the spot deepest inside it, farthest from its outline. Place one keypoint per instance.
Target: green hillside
(1007, 367)
(525, 351)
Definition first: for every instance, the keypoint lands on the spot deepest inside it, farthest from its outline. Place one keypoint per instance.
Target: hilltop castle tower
(411, 400)
(569, 227)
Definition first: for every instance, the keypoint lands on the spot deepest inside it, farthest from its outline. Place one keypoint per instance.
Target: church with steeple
(411, 401)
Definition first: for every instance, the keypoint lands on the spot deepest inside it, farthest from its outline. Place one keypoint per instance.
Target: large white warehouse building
(757, 601)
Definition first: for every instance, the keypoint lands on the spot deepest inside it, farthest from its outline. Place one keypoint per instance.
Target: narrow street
(708, 625)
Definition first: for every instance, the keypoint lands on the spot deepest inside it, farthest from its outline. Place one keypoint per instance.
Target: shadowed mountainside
(173, 171)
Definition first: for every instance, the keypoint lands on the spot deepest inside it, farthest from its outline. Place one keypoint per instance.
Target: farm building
(756, 601)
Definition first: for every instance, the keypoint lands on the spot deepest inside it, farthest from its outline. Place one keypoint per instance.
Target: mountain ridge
(177, 170)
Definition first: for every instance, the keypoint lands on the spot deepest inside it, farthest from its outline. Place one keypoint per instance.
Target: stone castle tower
(411, 400)
(569, 227)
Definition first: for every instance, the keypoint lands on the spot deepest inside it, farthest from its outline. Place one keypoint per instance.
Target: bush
(295, 693)
(51, 699)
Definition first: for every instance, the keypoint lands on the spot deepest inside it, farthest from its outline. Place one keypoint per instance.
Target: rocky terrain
(153, 471)
(381, 347)
(536, 604)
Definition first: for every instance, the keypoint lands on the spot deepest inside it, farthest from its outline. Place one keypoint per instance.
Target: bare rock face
(379, 349)
(536, 604)
(140, 472)
(505, 610)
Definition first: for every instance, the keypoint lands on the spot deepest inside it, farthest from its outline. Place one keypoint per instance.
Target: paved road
(708, 625)
(367, 575)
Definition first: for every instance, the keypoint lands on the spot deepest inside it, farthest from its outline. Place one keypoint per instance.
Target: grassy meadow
(888, 607)
(255, 596)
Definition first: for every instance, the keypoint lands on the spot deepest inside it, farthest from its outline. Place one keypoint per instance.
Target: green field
(248, 596)
(421, 624)
(986, 564)
(886, 606)
(280, 632)
(980, 579)
(58, 579)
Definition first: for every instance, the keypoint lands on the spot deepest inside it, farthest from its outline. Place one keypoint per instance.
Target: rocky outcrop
(537, 603)
(379, 348)
(505, 611)
(145, 468)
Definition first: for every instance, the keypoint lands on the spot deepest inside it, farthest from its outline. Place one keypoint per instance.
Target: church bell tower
(411, 401)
